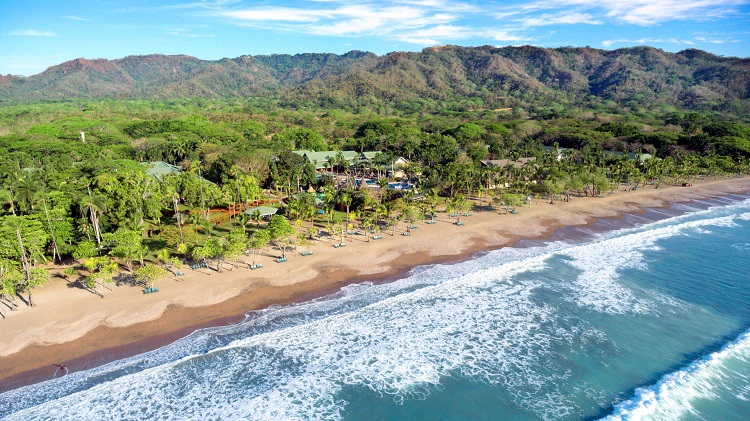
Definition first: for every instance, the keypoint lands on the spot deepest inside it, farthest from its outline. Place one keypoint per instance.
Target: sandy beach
(72, 326)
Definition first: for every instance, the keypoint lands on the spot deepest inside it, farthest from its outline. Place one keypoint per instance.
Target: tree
(101, 271)
(201, 253)
(86, 249)
(94, 205)
(125, 244)
(512, 200)
(302, 206)
(346, 200)
(282, 233)
(410, 214)
(432, 201)
(171, 192)
(15, 224)
(6, 196)
(461, 205)
(236, 243)
(26, 190)
(260, 239)
(213, 248)
(368, 223)
(10, 279)
(55, 217)
(150, 274)
(552, 187)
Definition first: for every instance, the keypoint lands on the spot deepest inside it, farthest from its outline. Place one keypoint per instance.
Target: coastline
(73, 327)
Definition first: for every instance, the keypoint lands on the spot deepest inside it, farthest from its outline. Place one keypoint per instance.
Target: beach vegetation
(149, 274)
(282, 233)
(257, 242)
(177, 174)
(102, 270)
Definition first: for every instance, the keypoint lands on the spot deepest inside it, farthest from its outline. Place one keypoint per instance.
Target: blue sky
(36, 34)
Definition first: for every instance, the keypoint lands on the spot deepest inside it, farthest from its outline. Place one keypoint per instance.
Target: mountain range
(490, 76)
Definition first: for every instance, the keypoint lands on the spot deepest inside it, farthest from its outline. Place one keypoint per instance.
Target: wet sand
(76, 328)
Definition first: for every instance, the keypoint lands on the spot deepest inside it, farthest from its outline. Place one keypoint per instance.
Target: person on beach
(60, 367)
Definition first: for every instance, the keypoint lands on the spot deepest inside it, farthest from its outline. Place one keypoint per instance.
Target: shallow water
(641, 318)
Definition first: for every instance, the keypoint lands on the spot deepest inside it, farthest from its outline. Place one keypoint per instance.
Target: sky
(37, 34)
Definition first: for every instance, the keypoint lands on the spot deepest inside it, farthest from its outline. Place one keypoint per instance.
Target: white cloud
(411, 21)
(432, 22)
(647, 12)
(645, 41)
(180, 32)
(716, 40)
(561, 19)
(430, 36)
(71, 17)
(277, 14)
(506, 36)
(34, 33)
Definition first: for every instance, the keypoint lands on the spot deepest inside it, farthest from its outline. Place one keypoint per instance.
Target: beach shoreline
(80, 330)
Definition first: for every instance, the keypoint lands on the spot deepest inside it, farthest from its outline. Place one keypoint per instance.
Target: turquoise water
(645, 318)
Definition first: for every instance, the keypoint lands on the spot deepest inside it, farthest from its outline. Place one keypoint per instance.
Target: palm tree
(368, 223)
(56, 250)
(26, 190)
(174, 196)
(16, 224)
(6, 196)
(95, 205)
(383, 184)
(346, 200)
(256, 216)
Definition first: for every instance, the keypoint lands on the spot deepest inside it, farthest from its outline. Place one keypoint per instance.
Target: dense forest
(77, 143)
(455, 77)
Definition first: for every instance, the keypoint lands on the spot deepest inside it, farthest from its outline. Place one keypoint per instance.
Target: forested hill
(487, 77)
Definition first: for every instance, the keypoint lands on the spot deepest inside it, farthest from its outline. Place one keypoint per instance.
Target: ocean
(646, 317)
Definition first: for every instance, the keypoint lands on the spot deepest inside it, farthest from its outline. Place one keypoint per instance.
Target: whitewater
(642, 318)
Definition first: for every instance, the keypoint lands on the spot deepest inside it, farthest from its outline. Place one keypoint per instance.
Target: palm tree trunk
(52, 233)
(24, 260)
(177, 216)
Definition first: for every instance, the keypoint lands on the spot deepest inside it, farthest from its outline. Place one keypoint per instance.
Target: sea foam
(482, 319)
(676, 394)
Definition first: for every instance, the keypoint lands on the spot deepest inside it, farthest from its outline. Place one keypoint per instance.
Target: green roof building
(319, 159)
(160, 169)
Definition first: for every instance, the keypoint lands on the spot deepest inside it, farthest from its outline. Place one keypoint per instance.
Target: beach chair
(459, 223)
(281, 260)
(406, 233)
